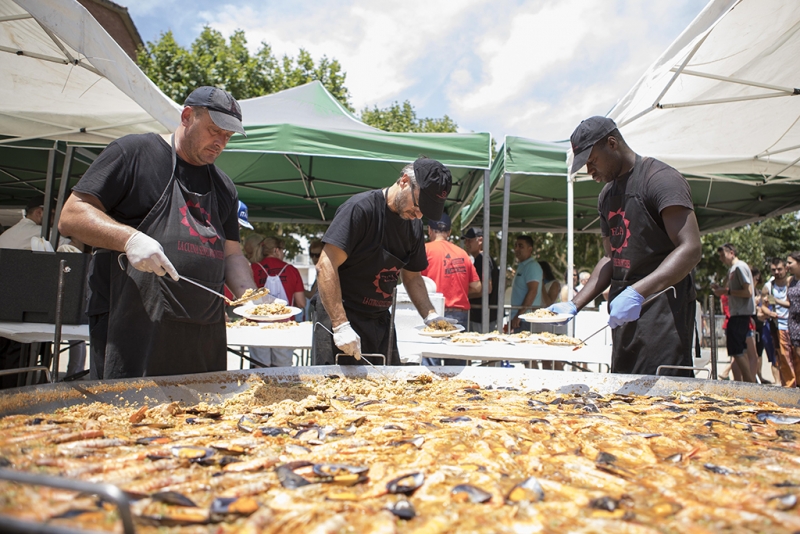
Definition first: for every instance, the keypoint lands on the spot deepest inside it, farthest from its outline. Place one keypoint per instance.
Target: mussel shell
(332, 470)
(247, 424)
(539, 421)
(5, 462)
(605, 458)
(153, 440)
(718, 469)
(173, 497)
(606, 503)
(674, 458)
(368, 403)
(309, 434)
(289, 479)
(783, 502)
(273, 431)
(777, 418)
(528, 490)
(192, 452)
(402, 509)
(786, 435)
(234, 505)
(198, 421)
(35, 421)
(473, 493)
(459, 419)
(406, 484)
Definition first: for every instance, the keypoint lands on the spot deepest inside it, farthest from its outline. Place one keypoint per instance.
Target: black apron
(367, 289)
(161, 327)
(663, 333)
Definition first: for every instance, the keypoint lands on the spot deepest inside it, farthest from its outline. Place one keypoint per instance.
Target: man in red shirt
(455, 276)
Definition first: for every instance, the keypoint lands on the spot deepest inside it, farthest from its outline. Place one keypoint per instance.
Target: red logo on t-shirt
(386, 280)
(190, 220)
(619, 228)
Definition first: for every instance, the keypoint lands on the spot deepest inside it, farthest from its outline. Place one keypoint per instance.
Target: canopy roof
(538, 194)
(305, 154)
(723, 98)
(65, 79)
(717, 105)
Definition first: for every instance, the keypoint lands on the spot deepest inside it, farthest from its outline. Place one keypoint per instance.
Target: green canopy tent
(305, 154)
(530, 191)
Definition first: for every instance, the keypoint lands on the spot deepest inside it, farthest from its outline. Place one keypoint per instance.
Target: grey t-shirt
(739, 276)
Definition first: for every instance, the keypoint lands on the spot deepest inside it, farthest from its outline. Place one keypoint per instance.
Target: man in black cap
(373, 238)
(651, 242)
(151, 208)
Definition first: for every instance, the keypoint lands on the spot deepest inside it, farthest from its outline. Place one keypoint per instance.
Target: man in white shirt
(19, 236)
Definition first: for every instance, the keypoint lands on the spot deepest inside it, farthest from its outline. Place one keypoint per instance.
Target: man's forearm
(238, 274)
(330, 291)
(418, 293)
(92, 226)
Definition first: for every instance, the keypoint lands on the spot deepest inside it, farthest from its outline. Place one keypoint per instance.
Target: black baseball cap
(472, 233)
(442, 225)
(588, 132)
(434, 182)
(222, 107)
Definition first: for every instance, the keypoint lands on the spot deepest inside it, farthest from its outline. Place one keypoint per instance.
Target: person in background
(742, 308)
(473, 245)
(793, 295)
(583, 277)
(526, 290)
(551, 288)
(168, 209)
(775, 306)
(759, 325)
(450, 268)
(374, 238)
(19, 236)
(564, 297)
(252, 249)
(273, 266)
(314, 252)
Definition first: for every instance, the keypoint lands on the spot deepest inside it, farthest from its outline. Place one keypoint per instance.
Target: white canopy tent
(64, 78)
(718, 106)
(65, 85)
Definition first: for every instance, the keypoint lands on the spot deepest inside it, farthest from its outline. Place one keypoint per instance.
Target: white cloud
(533, 68)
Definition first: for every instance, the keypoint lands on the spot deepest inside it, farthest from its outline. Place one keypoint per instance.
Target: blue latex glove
(564, 308)
(625, 308)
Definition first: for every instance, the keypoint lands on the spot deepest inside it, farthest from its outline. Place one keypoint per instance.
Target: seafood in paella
(428, 454)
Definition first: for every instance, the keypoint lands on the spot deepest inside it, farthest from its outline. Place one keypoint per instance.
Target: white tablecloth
(43, 332)
(296, 337)
(494, 351)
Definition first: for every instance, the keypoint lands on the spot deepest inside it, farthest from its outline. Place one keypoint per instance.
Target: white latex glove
(433, 317)
(146, 254)
(347, 340)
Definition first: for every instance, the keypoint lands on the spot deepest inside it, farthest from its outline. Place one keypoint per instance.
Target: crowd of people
(158, 214)
(761, 317)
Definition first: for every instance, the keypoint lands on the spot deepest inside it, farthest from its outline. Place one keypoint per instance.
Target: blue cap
(442, 225)
(243, 216)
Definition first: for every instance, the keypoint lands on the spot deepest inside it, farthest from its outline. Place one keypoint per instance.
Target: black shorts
(736, 334)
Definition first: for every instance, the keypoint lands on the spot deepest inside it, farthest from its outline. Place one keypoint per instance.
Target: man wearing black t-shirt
(651, 242)
(168, 210)
(374, 238)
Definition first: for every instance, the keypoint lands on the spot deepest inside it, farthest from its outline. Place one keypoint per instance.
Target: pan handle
(41, 368)
(107, 491)
(687, 367)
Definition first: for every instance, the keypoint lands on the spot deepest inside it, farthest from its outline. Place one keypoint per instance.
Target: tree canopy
(403, 118)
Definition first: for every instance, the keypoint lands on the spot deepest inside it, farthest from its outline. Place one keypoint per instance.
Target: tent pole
(570, 240)
(501, 290)
(487, 275)
(62, 192)
(48, 192)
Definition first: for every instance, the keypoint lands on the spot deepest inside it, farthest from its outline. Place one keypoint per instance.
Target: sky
(530, 68)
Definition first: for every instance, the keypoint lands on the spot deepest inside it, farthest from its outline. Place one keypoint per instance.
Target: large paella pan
(400, 450)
